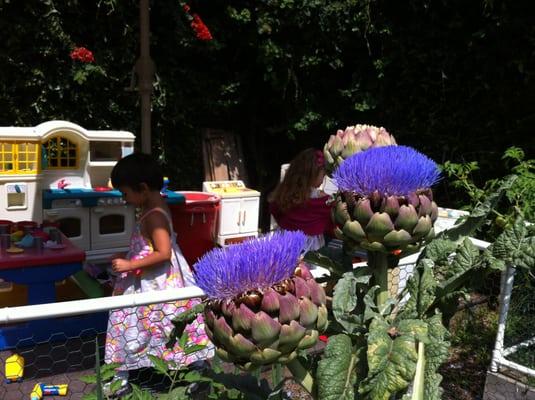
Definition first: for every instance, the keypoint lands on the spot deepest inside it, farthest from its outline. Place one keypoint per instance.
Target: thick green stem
(378, 262)
(302, 376)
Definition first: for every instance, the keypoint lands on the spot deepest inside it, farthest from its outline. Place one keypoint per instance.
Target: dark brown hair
(294, 189)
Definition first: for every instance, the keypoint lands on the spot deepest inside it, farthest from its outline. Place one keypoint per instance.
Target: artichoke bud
(309, 340)
(413, 199)
(434, 211)
(375, 201)
(390, 206)
(301, 288)
(283, 318)
(425, 206)
(317, 293)
(379, 225)
(337, 146)
(270, 302)
(289, 308)
(328, 157)
(322, 318)
(240, 346)
(266, 356)
(350, 148)
(308, 313)
(354, 230)
(341, 214)
(227, 307)
(252, 299)
(397, 239)
(221, 331)
(290, 335)
(363, 211)
(407, 218)
(264, 329)
(364, 141)
(423, 227)
(302, 271)
(242, 318)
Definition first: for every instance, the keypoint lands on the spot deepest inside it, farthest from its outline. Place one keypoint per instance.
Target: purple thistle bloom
(252, 265)
(390, 170)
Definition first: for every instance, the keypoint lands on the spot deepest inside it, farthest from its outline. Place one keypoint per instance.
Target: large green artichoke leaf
(438, 250)
(436, 352)
(421, 287)
(391, 362)
(516, 245)
(465, 257)
(345, 301)
(479, 214)
(336, 374)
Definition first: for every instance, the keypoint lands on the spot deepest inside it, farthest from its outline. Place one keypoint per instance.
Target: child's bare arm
(157, 228)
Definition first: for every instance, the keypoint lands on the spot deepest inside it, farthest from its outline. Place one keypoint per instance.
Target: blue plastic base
(52, 330)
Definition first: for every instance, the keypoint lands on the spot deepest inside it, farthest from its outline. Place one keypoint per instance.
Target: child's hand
(117, 255)
(121, 265)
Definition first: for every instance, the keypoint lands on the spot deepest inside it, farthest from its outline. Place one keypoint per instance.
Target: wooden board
(222, 156)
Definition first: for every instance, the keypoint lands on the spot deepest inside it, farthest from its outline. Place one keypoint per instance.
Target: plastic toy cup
(5, 240)
(55, 235)
(5, 227)
(38, 243)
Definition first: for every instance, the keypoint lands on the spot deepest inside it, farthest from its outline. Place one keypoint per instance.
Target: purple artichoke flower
(262, 304)
(385, 200)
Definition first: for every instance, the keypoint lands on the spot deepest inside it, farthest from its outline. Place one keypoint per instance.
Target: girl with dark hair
(298, 204)
(154, 262)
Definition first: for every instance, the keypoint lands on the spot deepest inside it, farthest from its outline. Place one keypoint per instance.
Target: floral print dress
(135, 332)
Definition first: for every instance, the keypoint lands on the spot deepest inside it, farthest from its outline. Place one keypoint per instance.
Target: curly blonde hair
(294, 190)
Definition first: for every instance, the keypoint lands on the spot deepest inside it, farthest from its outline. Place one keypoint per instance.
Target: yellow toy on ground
(40, 390)
(14, 368)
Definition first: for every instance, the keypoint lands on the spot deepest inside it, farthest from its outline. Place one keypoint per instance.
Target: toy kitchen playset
(59, 172)
(238, 217)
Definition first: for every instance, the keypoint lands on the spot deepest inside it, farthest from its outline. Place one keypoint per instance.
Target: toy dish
(101, 189)
(14, 250)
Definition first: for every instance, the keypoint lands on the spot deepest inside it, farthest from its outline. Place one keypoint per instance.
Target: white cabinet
(249, 214)
(239, 215)
(230, 216)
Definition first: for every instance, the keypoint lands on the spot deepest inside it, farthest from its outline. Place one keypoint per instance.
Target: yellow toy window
(19, 158)
(61, 153)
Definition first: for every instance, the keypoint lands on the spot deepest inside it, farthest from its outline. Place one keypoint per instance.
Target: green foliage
(278, 71)
(336, 374)
(519, 195)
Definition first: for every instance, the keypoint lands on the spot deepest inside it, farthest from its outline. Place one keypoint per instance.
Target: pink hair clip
(320, 158)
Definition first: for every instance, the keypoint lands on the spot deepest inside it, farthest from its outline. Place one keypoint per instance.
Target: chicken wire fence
(66, 357)
(512, 370)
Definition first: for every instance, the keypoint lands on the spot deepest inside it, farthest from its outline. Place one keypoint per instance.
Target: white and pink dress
(134, 333)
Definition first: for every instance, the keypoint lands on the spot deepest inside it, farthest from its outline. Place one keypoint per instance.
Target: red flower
(323, 338)
(201, 30)
(82, 54)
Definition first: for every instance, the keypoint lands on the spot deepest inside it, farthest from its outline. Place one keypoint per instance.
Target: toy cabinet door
(249, 218)
(230, 216)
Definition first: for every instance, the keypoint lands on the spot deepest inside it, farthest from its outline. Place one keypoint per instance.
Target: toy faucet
(40, 390)
(165, 186)
(62, 184)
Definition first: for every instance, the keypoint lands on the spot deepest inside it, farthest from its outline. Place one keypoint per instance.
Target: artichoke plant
(385, 204)
(384, 201)
(353, 139)
(262, 305)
